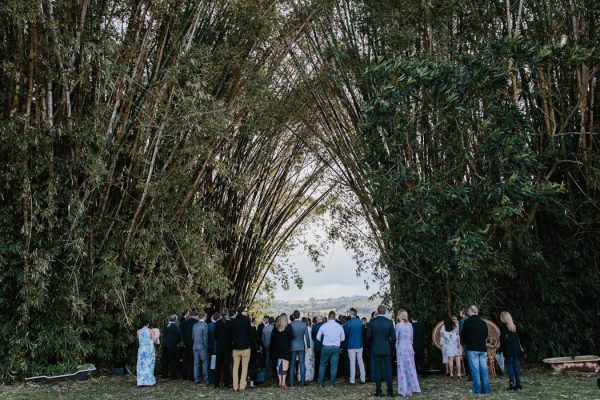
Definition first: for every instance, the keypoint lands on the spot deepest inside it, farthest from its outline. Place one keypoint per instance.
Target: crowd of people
(232, 351)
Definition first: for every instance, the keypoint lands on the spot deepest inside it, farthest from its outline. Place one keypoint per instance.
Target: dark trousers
(169, 362)
(344, 364)
(187, 369)
(420, 362)
(222, 373)
(382, 367)
(317, 363)
(514, 370)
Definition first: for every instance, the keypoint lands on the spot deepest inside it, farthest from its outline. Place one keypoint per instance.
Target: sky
(336, 280)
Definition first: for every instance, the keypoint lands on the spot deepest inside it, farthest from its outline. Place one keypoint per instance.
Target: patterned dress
(450, 342)
(146, 359)
(405, 355)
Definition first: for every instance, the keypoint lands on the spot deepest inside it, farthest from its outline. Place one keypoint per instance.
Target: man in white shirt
(331, 334)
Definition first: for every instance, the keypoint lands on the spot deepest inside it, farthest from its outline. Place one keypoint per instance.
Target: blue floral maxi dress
(405, 356)
(146, 359)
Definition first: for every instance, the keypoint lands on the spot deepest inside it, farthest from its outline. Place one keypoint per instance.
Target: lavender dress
(405, 355)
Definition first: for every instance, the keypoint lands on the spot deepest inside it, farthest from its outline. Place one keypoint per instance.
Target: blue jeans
(479, 371)
(329, 354)
(200, 356)
(514, 370)
(383, 367)
(300, 354)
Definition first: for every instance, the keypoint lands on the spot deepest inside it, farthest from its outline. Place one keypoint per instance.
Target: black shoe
(361, 383)
(391, 394)
(511, 387)
(518, 386)
(377, 394)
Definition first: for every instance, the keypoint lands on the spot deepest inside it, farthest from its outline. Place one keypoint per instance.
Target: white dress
(450, 342)
(309, 360)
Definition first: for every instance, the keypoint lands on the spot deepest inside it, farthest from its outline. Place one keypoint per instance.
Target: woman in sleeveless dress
(408, 382)
(146, 356)
(450, 341)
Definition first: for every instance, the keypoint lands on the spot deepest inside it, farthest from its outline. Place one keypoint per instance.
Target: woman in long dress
(146, 357)
(309, 360)
(450, 341)
(408, 382)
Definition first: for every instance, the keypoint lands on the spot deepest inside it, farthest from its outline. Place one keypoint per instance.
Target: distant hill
(341, 305)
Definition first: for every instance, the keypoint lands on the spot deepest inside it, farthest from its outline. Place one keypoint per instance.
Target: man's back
(418, 336)
(331, 334)
(223, 335)
(354, 333)
(241, 333)
(171, 335)
(381, 332)
(200, 335)
(314, 331)
(266, 335)
(211, 336)
(186, 331)
(474, 334)
(299, 332)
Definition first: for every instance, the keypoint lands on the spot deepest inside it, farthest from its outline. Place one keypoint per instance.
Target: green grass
(538, 384)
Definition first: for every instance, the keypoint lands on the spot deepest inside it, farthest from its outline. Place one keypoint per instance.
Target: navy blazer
(418, 336)
(381, 332)
(171, 335)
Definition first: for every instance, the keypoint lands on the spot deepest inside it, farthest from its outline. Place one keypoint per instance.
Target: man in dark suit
(418, 344)
(381, 333)
(187, 328)
(171, 337)
(317, 343)
(223, 351)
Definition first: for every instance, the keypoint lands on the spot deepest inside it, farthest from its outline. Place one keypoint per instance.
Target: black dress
(280, 346)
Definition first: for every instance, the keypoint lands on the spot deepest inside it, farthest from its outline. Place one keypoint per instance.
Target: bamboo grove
(161, 153)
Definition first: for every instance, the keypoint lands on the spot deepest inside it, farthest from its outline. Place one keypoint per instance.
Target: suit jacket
(266, 336)
(186, 327)
(211, 336)
(222, 336)
(171, 335)
(200, 336)
(354, 333)
(381, 332)
(314, 331)
(242, 333)
(300, 336)
(418, 336)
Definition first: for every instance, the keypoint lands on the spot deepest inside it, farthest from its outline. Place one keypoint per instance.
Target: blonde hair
(507, 319)
(282, 323)
(403, 316)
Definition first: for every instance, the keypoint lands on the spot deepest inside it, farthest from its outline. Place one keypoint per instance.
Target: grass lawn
(538, 384)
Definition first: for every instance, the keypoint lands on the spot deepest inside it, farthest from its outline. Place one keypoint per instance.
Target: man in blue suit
(381, 332)
(354, 336)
